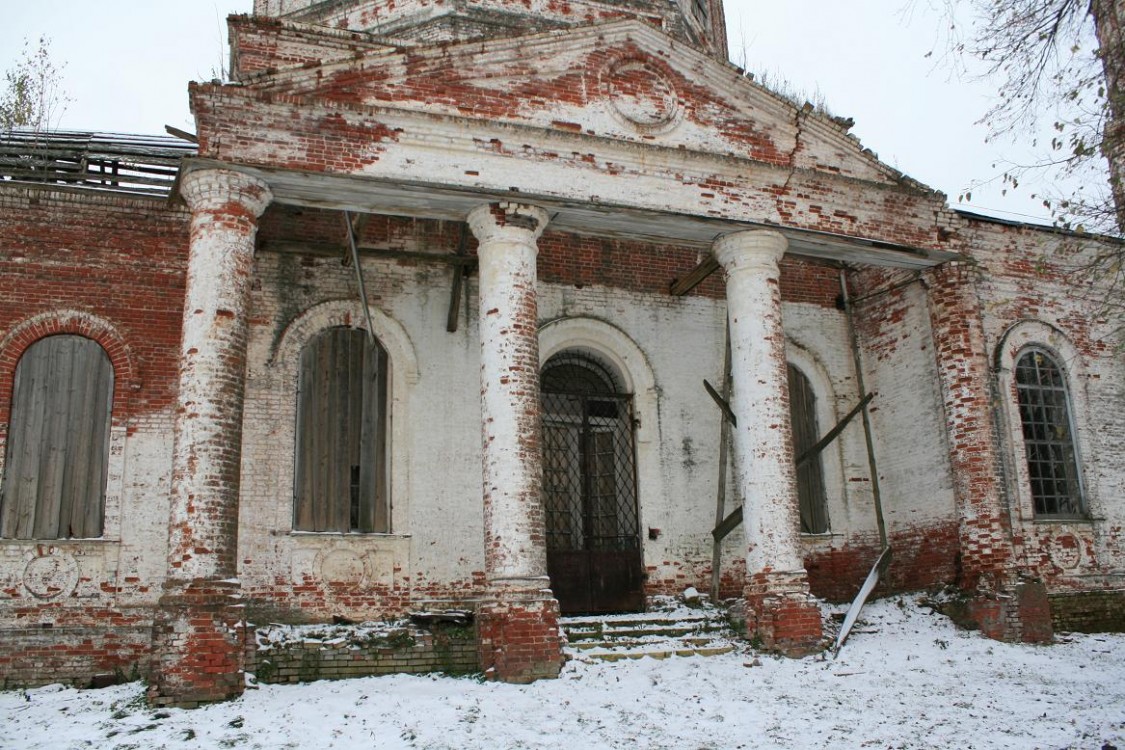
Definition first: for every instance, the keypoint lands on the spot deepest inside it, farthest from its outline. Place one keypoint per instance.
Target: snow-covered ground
(906, 679)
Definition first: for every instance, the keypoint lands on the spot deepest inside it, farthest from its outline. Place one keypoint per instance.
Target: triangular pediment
(624, 81)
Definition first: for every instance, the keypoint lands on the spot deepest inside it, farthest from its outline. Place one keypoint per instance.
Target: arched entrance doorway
(590, 487)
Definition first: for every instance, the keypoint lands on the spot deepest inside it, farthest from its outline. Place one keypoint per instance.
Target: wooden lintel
(729, 524)
(697, 276)
(722, 403)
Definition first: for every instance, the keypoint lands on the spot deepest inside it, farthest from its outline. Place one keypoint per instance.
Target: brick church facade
(420, 321)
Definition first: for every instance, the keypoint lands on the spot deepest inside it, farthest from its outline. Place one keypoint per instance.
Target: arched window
(1048, 435)
(810, 473)
(58, 441)
(341, 478)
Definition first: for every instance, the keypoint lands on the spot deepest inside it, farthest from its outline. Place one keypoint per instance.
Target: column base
(1019, 614)
(519, 635)
(781, 614)
(197, 642)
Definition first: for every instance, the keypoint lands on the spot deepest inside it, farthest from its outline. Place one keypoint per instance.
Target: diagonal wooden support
(694, 278)
(460, 273)
(721, 403)
(731, 522)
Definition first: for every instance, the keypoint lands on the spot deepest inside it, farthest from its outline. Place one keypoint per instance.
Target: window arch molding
(284, 367)
(826, 417)
(126, 381)
(613, 346)
(1019, 339)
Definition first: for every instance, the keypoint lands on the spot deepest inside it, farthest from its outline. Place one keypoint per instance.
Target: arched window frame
(79, 466)
(1025, 336)
(1070, 462)
(282, 367)
(813, 501)
(334, 405)
(827, 415)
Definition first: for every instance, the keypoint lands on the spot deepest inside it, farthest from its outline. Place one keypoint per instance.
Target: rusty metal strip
(878, 569)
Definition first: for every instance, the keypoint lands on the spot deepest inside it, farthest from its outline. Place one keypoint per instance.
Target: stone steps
(658, 635)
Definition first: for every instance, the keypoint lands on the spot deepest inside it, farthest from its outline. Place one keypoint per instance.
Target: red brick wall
(121, 259)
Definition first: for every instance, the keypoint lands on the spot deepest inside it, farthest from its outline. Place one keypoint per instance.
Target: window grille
(1048, 436)
(58, 441)
(589, 474)
(341, 479)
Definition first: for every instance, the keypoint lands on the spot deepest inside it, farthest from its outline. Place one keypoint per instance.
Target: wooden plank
(722, 403)
(302, 500)
(453, 316)
(731, 522)
(695, 277)
(811, 495)
(835, 431)
(459, 273)
(721, 488)
(52, 449)
(381, 453)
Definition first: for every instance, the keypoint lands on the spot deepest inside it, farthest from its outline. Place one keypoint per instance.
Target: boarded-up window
(810, 474)
(341, 481)
(1048, 436)
(58, 441)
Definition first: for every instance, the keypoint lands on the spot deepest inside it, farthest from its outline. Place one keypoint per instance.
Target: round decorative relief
(51, 575)
(1066, 551)
(643, 95)
(342, 566)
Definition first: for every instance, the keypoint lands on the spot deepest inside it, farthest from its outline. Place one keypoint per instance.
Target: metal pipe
(359, 278)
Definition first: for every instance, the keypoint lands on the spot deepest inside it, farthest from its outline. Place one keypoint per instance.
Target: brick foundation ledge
(198, 646)
(519, 635)
(782, 615)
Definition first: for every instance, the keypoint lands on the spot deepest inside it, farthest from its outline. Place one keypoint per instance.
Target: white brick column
(777, 586)
(515, 540)
(518, 622)
(198, 651)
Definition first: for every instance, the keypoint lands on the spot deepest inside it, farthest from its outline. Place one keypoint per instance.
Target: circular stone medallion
(643, 95)
(1066, 551)
(51, 575)
(342, 566)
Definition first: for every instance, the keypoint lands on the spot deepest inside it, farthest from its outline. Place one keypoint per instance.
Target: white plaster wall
(670, 346)
(818, 343)
(910, 443)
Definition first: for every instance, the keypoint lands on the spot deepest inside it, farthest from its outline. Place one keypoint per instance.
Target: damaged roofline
(604, 218)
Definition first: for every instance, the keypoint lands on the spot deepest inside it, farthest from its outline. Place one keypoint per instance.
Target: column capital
(214, 189)
(501, 221)
(755, 248)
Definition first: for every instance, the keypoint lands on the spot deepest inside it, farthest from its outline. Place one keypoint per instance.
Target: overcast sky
(128, 63)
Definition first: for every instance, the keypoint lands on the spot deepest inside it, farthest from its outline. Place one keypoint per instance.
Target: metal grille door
(590, 498)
